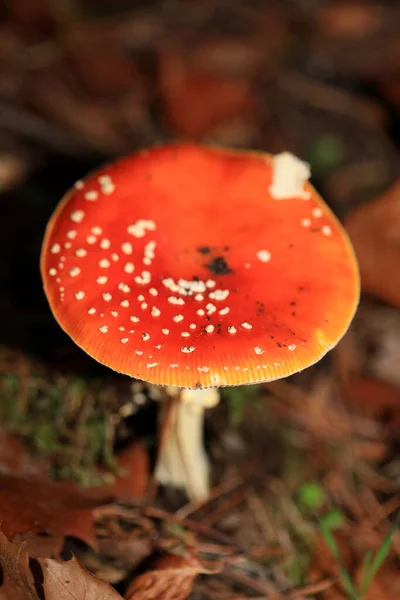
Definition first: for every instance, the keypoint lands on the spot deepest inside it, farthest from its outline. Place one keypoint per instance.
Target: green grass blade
(366, 570)
(380, 555)
(344, 574)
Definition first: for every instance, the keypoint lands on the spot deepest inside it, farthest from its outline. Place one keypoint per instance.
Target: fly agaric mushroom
(199, 267)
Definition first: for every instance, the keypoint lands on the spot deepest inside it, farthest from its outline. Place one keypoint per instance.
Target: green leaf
(333, 519)
(311, 496)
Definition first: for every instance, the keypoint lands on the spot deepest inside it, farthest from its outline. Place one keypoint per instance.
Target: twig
(216, 492)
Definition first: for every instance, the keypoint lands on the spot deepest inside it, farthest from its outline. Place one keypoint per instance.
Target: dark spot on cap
(293, 314)
(197, 385)
(226, 248)
(218, 266)
(293, 303)
(204, 249)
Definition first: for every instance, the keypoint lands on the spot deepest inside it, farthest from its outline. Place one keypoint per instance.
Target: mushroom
(198, 267)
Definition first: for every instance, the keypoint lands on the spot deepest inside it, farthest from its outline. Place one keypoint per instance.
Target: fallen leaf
(17, 580)
(375, 399)
(374, 229)
(60, 580)
(36, 506)
(131, 484)
(196, 102)
(66, 580)
(170, 577)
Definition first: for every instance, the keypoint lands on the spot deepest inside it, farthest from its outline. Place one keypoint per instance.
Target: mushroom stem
(183, 462)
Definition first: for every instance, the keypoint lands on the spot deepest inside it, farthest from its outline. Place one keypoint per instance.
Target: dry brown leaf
(375, 399)
(35, 505)
(61, 580)
(171, 577)
(374, 229)
(195, 103)
(66, 580)
(18, 582)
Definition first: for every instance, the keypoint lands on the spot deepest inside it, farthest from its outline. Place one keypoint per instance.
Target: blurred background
(85, 81)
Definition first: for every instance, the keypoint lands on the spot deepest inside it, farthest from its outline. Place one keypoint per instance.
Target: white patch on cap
(317, 213)
(305, 222)
(127, 248)
(105, 244)
(224, 311)
(174, 300)
(102, 279)
(80, 252)
(125, 303)
(92, 311)
(79, 295)
(139, 228)
(232, 329)
(247, 325)
(326, 230)
(124, 340)
(185, 334)
(79, 184)
(258, 350)
(153, 292)
(134, 319)
(107, 296)
(145, 337)
(74, 272)
(104, 263)
(155, 312)
(219, 294)
(292, 347)
(165, 331)
(178, 318)
(129, 267)
(55, 249)
(77, 216)
(187, 349)
(53, 272)
(289, 174)
(264, 256)
(124, 288)
(71, 235)
(91, 195)
(91, 239)
(210, 328)
(103, 329)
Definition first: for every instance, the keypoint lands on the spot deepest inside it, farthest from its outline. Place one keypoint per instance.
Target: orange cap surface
(182, 265)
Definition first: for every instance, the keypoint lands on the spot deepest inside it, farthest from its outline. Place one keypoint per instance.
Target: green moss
(68, 421)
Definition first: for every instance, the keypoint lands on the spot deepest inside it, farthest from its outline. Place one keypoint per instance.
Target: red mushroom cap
(184, 266)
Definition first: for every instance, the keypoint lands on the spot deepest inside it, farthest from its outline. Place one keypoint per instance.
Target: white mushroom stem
(183, 462)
